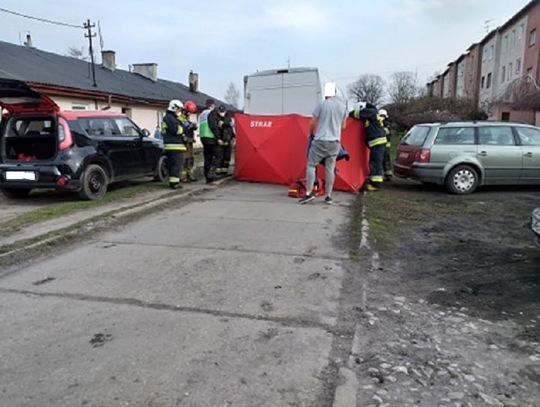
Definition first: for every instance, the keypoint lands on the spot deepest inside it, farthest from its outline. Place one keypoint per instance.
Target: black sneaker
(328, 200)
(306, 199)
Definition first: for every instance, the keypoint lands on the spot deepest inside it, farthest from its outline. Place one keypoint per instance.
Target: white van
(284, 91)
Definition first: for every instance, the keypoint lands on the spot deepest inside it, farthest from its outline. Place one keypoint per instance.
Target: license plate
(20, 176)
(404, 155)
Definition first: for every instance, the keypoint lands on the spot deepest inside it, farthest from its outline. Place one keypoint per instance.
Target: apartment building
(501, 70)
(489, 69)
(510, 68)
(473, 61)
(460, 76)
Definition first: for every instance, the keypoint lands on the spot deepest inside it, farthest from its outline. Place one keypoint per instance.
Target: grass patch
(71, 205)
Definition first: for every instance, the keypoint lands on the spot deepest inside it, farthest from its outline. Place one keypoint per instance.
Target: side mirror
(145, 133)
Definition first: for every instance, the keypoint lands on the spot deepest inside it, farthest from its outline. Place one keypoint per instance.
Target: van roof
(284, 70)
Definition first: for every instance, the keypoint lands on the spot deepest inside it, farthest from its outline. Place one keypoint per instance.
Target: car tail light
(62, 180)
(65, 138)
(423, 155)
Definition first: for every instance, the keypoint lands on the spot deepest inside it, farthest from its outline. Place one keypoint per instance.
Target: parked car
(535, 224)
(465, 155)
(84, 151)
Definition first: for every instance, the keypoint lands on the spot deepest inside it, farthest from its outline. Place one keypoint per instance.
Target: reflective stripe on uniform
(377, 142)
(174, 180)
(175, 147)
(376, 178)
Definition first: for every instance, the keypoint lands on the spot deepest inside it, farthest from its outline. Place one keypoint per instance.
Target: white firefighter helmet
(383, 113)
(174, 105)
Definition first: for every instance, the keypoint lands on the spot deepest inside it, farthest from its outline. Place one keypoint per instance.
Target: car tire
(16, 193)
(162, 171)
(462, 180)
(94, 183)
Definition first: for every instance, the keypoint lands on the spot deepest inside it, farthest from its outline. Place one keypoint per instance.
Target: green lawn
(67, 204)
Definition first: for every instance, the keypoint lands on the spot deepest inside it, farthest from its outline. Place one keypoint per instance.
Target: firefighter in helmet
(189, 132)
(387, 162)
(376, 142)
(174, 141)
(226, 134)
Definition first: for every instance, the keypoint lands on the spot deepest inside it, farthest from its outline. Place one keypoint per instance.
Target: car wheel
(463, 179)
(162, 171)
(16, 193)
(94, 183)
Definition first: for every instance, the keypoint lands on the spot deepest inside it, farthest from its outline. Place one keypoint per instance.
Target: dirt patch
(453, 298)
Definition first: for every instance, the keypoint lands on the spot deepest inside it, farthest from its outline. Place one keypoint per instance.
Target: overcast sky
(224, 40)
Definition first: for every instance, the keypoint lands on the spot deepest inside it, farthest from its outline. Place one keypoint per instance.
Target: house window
(490, 53)
(513, 38)
(520, 31)
(503, 77)
(532, 38)
(484, 54)
(518, 65)
(505, 42)
(510, 66)
(79, 106)
(483, 82)
(488, 84)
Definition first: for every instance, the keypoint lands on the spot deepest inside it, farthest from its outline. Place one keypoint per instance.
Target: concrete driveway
(230, 300)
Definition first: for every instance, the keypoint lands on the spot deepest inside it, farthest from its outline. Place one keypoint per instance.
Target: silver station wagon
(465, 155)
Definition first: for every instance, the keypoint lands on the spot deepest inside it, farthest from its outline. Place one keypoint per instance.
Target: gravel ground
(450, 310)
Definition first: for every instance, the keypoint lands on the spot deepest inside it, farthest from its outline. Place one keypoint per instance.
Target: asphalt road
(230, 300)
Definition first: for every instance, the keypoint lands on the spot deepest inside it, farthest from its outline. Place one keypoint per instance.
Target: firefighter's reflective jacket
(226, 129)
(173, 133)
(189, 128)
(373, 123)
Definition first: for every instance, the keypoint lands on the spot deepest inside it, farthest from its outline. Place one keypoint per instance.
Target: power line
(43, 20)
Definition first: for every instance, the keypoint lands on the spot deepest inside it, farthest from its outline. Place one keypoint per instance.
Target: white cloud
(297, 16)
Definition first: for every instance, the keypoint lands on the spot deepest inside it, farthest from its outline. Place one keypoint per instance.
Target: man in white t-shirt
(329, 116)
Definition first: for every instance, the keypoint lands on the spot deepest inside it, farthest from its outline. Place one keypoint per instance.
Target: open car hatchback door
(18, 98)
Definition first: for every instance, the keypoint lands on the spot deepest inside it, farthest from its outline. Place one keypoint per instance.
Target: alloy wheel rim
(95, 182)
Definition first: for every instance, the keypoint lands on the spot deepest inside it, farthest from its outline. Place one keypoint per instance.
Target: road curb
(22, 248)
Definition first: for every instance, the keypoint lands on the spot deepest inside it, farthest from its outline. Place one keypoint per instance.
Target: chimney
(108, 60)
(193, 82)
(147, 70)
(28, 42)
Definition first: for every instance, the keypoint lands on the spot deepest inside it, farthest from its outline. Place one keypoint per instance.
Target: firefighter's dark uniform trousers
(174, 146)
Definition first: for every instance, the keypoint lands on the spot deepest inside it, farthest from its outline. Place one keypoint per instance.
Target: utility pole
(90, 35)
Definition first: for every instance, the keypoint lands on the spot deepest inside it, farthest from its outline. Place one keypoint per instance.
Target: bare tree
(232, 94)
(367, 88)
(403, 87)
(76, 52)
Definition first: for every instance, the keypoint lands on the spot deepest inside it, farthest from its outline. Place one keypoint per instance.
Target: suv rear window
(417, 136)
(455, 136)
(29, 127)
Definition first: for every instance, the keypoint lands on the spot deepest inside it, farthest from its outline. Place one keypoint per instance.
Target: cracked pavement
(232, 299)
